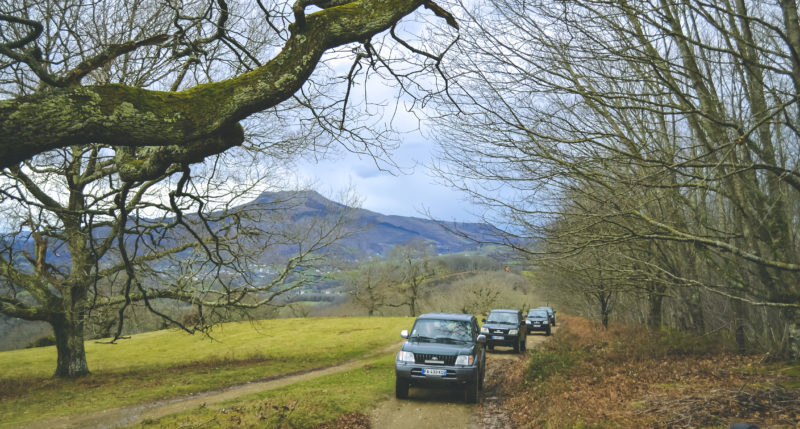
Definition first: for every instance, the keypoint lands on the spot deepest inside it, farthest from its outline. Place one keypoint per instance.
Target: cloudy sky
(410, 194)
(413, 191)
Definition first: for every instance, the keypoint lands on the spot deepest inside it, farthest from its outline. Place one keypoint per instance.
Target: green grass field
(304, 404)
(169, 363)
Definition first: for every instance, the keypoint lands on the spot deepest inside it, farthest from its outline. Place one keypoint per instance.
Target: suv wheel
(401, 389)
(516, 346)
(471, 391)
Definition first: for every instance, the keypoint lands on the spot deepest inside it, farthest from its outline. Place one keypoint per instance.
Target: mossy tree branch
(203, 118)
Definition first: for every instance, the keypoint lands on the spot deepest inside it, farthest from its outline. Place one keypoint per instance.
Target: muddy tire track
(445, 407)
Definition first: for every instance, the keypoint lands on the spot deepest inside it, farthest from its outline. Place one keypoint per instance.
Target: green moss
(794, 372)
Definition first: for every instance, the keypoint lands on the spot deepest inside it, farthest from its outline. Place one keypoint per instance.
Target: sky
(412, 194)
(413, 191)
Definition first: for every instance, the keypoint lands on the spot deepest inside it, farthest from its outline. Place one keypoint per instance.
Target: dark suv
(551, 313)
(505, 328)
(442, 349)
(538, 320)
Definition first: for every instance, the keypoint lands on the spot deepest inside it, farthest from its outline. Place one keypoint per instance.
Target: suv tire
(472, 391)
(401, 389)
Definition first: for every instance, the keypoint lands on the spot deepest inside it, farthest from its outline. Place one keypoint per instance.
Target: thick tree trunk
(69, 343)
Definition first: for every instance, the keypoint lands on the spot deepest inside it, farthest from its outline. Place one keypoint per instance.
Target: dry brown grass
(632, 378)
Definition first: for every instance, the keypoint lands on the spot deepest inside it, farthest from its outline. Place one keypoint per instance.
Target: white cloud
(410, 192)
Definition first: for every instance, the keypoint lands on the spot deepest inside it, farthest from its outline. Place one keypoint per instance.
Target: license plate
(537, 325)
(497, 337)
(429, 371)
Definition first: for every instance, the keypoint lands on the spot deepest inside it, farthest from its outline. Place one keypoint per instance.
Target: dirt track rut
(426, 408)
(125, 416)
(445, 408)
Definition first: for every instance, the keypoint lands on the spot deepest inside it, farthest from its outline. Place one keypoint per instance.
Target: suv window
(502, 317)
(537, 313)
(435, 330)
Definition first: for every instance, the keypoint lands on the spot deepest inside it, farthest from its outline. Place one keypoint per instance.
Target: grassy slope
(165, 364)
(306, 404)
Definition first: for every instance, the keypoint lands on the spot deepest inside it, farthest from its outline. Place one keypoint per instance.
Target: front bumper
(454, 375)
(502, 340)
(537, 326)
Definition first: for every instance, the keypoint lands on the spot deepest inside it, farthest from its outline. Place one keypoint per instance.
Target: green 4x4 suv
(505, 327)
(442, 349)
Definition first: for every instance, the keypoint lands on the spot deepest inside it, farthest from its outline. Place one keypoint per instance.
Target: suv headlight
(403, 356)
(465, 360)
(484, 330)
(513, 332)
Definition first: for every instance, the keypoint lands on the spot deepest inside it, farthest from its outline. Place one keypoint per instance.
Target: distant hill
(378, 233)
(373, 234)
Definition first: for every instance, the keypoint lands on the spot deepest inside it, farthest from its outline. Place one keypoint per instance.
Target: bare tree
(123, 155)
(85, 241)
(413, 270)
(677, 121)
(51, 107)
(368, 286)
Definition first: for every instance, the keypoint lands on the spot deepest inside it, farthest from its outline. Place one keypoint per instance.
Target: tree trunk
(69, 343)
(412, 306)
(793, 335)
(604, 309)
(655, 301)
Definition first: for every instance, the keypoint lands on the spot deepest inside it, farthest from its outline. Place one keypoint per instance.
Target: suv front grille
(433, 359)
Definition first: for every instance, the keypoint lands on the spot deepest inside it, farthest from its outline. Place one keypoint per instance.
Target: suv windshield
(503, 318)
(537, 313)
(441, 330)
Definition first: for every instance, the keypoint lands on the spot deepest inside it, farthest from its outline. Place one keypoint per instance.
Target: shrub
(49, 340)
(544, 363)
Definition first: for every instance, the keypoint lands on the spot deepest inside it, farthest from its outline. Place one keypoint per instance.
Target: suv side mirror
(483, 320)
(481, 339)
(404, 333)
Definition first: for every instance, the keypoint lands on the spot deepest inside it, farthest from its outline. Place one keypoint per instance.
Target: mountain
(371, 234)
(375, 233)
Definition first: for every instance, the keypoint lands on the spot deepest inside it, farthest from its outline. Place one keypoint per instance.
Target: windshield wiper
(449, 339)
(422, 338)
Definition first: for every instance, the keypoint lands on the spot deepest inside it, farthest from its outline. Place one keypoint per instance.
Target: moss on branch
(122, 115)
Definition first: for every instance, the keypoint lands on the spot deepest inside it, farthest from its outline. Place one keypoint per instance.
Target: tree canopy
(661, 134)
(185, 125)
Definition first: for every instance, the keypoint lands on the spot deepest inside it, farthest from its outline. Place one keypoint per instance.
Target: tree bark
(655, 301)
(69, 343)
(793, 335)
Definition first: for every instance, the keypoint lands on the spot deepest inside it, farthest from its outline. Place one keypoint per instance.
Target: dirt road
(425, 408)
(124, 416)
(445, 408)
